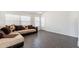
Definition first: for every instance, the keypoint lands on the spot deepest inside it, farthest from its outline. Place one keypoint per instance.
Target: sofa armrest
(32, 27)
(36, 29)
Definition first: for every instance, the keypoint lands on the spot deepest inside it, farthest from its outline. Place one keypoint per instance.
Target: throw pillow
(6, 30)
(19, 28)
(12, 28)
(30, 27)
(1, 35)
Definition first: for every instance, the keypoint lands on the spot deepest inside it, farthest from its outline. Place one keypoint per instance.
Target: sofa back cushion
(19, 27)
(26, 27)
(6, 30)
(1, 34)
(7, 26)
(30, 27)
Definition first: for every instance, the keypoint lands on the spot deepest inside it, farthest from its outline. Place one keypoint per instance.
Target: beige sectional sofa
(15, 39)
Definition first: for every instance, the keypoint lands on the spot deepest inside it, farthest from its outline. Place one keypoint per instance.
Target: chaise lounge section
(13, 40)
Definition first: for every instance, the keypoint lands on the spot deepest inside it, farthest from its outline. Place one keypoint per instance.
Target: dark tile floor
(44, 39)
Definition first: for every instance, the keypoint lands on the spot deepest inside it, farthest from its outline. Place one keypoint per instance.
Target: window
(25, 20)
(11, 19)
(37, 21)
(42, 21)
(2, 22)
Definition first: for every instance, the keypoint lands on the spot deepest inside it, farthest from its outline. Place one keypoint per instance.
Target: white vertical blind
(25, 20)
(21, 20)
(37, 21)
(2, 22)
(11, 19)
(42, 22)
(2, 19)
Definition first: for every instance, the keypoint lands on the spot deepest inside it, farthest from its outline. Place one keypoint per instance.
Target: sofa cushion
(7, 26)
(1, 35)
(26, 31)
(12, 27)
(30, 27)
(26, 27)
(19, 27)
(6, 30)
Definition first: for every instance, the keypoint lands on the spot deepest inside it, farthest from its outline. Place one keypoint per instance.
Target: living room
(39, 29)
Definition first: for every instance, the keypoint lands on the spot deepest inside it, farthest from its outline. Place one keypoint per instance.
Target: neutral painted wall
(78, 30)
(63, 22)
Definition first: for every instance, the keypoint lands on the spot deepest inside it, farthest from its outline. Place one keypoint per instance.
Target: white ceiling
(33, 12)
(25, 12)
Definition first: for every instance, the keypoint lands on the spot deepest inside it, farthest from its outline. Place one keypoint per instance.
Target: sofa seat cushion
(26, 31)
(7, 42)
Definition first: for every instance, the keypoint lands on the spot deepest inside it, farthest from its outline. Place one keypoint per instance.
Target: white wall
(74, 17)
(63, 22)
(78, 30)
